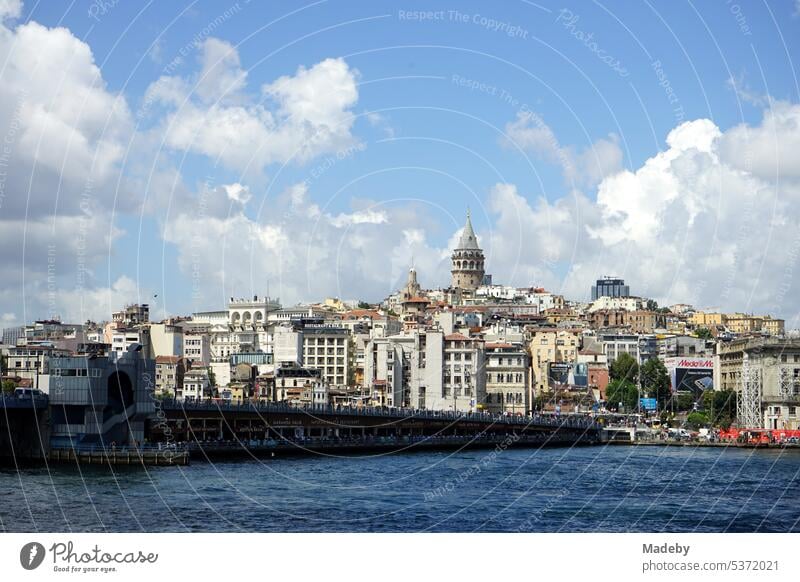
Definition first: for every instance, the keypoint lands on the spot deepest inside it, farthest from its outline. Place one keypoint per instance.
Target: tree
(8, 386)
(652, 305)
(696, 420)
(622, 391)
(720, 407)
(703, 333)
(624, 368)
(655, 381)
(364, 305)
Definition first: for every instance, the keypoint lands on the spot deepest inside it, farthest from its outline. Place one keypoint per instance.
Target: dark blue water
(585, 489)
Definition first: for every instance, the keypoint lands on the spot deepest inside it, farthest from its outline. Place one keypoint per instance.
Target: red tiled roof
(456, 337)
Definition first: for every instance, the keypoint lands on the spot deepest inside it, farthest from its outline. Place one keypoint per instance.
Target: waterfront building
(507, 388)
(385, 369)
(765, 374)
(550, 345)
(327, 349)
(33, 363)
(467, 260)
(197, 348)
(123, 339)
(165, 340)
(195, 384)
(291, 382)
(610, 287)
(170, 371)
(100, 400)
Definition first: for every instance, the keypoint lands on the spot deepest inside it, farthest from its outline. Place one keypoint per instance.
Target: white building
(195, 384)
(165, 340)
(197, 348)
(327, 349)
(617, 303)
(447, 372)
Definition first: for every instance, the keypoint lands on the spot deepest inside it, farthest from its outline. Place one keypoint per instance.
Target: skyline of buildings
(474, 346)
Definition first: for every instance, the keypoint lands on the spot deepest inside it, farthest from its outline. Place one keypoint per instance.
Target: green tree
(8, 386)
(703, 333)
(652, 305)
(621, 391)
(655, 381)
(696, 420)
(624, 368)
(364, 305)
(720, 407)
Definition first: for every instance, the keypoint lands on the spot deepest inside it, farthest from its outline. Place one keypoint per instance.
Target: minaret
(467, 260)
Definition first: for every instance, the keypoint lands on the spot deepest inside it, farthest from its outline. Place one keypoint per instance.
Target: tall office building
(610, 287)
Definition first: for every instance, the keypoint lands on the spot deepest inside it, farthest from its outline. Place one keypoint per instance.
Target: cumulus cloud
(712, 220)
(584, 167)
(297, 118)
(304, 253)
(10, 8)
(64, 136)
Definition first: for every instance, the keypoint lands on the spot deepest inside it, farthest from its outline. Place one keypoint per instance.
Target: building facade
(467, 261)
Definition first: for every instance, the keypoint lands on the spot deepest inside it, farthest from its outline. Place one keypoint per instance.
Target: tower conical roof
(468, 239)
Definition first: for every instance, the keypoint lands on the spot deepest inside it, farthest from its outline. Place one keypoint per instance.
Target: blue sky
(315, 148)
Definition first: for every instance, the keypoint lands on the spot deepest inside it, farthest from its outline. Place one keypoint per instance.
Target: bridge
(212, 428)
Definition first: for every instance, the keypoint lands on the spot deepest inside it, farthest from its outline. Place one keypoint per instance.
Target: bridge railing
(553, 420)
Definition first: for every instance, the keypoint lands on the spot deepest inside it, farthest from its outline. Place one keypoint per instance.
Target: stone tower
(467, 260)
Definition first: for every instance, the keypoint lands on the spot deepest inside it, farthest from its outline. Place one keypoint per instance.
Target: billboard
(648, 403)
(567, 373)
(690, 375)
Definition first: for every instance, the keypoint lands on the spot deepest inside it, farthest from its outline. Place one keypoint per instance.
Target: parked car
(27, 393)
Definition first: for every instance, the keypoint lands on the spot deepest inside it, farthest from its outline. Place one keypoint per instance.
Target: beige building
(507, 388)
(765, 374)
(703, 319)
(549, 345)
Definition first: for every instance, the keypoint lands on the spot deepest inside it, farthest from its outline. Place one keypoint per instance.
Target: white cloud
(586, 167)
(713, 220)
(305, 115)
(304, 253)
(238, 193)
(10, 8)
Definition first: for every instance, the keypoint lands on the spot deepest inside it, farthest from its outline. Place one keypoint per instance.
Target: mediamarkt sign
(690, 374)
